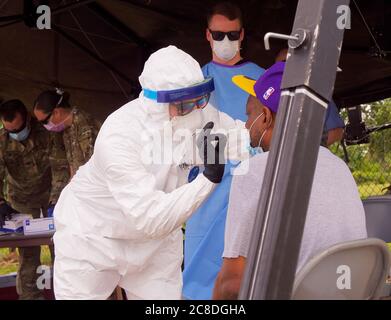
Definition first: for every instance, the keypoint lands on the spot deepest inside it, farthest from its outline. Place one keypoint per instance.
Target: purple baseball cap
(267, 88)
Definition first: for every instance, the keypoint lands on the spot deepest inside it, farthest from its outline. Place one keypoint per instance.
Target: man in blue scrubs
(204, 239)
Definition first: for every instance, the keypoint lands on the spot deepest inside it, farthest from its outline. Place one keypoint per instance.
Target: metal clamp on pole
(294, 42)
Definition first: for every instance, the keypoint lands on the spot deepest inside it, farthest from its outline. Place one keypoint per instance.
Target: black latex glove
(5, 212)
(213, 156)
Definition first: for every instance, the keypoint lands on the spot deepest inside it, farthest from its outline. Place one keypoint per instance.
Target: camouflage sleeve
(59, 166)
(87, 141)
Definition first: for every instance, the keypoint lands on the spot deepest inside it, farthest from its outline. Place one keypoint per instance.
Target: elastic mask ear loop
(263, 134)
(255, 121)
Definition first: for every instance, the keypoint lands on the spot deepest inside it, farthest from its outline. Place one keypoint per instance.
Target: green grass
(9, 260)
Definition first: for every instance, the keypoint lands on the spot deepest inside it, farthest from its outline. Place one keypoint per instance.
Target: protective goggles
(220, 35)
(187, 106)
(181, 95)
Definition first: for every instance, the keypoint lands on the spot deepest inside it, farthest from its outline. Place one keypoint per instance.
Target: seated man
(335, 212)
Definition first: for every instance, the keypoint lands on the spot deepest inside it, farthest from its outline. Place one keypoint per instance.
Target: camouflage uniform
(79, 139)
(32, 179)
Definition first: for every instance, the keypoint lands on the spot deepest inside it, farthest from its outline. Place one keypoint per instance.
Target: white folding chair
(355, 270)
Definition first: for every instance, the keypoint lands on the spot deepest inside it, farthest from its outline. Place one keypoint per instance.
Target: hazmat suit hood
(167, 69)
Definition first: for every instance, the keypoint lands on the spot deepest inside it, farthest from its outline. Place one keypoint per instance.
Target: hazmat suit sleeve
(149, 213)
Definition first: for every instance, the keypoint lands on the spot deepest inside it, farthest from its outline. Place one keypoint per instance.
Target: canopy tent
(96, 49)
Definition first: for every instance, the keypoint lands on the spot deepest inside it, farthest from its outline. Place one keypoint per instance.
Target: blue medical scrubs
(227, 97)
(333, 119)
(204, 238)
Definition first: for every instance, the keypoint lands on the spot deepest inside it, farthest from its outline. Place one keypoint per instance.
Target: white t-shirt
(335, 212)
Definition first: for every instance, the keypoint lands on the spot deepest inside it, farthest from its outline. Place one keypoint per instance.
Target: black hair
(9, 110)
(227, 9)
(49, 100)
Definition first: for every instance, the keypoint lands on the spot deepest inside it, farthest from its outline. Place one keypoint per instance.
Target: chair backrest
(378, 217)
(355, 270)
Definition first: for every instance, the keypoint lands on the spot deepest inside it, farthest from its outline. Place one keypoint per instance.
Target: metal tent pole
(307, 86)
(94, 56)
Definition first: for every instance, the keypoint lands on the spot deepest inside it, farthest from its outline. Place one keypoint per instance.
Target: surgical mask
(185, 129)
(55, 127)
(60, 127)
(21, 135)
(254, 151)
(191, 121)
(225, 49)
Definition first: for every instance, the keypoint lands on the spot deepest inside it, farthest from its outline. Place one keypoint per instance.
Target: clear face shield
(185, 100)
(181, 132)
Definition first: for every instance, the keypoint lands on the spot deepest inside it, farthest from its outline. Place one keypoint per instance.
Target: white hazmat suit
(119, 220)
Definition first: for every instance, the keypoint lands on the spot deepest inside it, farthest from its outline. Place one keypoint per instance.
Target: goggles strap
(150, 94)
(169, 96)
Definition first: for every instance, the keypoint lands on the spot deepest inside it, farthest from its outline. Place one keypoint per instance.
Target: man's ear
(242, 35)
(268, 116)
(207, 34)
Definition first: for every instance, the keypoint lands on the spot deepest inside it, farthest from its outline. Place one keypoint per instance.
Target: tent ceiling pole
(11, 18)
(307, 87)
(94, 56)
(164, 13)
(118, 83)
(117, 25)
(71, 6)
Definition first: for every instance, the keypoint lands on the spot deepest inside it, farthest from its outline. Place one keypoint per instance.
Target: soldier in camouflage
(78, 128)
(29, 179)
(79, 139)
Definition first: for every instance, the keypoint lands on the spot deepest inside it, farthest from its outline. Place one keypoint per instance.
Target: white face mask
(184, 135)
(191, 122)
(226, 49)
